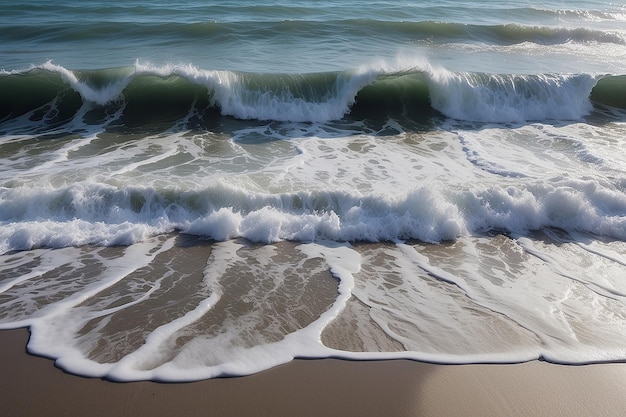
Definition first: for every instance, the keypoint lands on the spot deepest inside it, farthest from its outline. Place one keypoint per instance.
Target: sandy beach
(32, 386)
(423, 202)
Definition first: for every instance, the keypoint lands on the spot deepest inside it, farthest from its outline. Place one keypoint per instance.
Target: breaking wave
(146, 93)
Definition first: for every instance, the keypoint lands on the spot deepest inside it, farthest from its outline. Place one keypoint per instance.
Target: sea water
(197, 189)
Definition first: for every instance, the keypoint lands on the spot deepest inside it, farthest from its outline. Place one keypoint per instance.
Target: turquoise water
(197, 189)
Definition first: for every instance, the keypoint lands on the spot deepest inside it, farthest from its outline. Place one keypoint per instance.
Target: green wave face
(144, 95)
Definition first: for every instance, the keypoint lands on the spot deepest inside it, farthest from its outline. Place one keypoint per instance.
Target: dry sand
(32, 386)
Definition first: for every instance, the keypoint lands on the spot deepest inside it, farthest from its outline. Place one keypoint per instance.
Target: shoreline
(33, 386)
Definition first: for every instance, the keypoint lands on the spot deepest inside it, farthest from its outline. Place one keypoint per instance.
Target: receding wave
(146, 93)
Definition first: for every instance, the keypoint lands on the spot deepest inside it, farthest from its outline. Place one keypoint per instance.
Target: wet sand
(32, 386)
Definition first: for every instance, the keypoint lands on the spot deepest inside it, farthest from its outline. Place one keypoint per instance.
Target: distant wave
(145, 93)
(439, 32)
(590, 14)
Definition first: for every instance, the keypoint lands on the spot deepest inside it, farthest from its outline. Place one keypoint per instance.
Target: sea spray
(495, 98)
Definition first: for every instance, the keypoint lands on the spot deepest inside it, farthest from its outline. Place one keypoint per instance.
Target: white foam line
(37, 272)
(512, 356)
(601, 254)
(423, 263)
(343, 261)
(115, 274)
(124, 369)
(114, 310)
(600, 290)
(588, 248)
(473, 152)
(154, 159)
(63, 154)
(8, 139)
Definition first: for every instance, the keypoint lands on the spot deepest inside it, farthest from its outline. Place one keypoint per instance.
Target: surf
(151, 92)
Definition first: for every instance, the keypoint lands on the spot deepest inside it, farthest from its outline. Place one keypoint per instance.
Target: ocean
(200, 189)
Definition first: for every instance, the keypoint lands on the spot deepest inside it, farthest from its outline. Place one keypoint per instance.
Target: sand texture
(32, 386)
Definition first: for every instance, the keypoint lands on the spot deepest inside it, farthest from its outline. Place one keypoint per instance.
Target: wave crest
(146, 91)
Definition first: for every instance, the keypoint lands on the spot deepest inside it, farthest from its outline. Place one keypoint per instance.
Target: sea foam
(103, 215)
